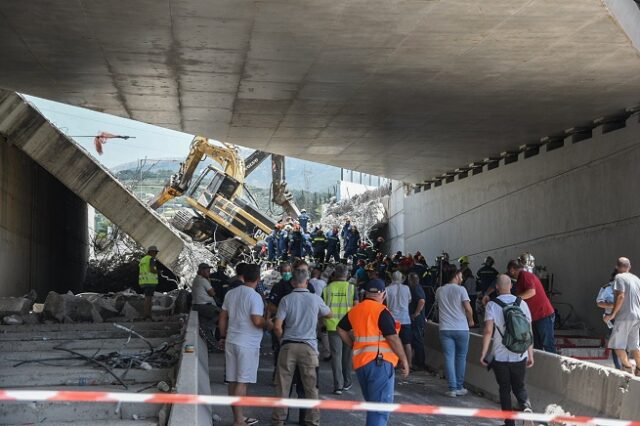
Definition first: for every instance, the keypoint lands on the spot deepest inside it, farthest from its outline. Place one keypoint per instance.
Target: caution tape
(322, 404)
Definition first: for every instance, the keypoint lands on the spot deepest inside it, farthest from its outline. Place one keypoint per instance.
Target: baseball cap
(204, 266)
(375, 286)
(152, 248)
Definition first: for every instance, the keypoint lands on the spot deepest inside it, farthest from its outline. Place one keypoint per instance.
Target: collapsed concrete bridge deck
(45, 175)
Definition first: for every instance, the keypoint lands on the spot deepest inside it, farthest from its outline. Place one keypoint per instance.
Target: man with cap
(372, 333)
(203, 301)
(148, 278)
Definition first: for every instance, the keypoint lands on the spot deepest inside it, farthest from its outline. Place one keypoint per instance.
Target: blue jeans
(455, 344)
(377, 382)
(543, 336)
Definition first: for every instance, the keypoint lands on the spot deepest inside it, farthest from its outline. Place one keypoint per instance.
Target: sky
(150, 141)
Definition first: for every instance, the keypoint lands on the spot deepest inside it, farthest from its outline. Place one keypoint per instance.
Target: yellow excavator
(218, 214)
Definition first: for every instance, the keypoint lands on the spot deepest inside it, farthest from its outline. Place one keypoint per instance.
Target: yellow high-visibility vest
(338, 296)
(146, 277)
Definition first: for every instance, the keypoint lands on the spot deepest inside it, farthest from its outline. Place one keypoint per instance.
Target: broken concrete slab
(69, 308)
(15, 306)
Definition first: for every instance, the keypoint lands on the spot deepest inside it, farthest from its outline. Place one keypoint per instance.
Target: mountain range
(300, 174)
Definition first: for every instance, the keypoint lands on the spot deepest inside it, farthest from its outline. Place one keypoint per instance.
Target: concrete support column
(43, 229)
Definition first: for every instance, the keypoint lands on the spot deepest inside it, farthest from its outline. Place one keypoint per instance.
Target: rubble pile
(367, 211)
(88, 307)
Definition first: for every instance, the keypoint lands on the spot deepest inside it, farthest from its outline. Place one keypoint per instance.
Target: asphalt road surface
(418, 388)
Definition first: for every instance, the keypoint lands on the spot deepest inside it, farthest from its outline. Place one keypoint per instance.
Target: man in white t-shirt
(626, 312)
(509, 367)
(202, 302)
(242, 322)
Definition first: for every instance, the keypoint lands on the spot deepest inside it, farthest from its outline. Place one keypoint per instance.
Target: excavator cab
(218, 215)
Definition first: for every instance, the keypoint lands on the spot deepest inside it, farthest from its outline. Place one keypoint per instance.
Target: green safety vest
(146, 277)
(339, 297)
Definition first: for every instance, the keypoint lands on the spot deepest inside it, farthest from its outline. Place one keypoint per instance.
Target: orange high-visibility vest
(368, 340)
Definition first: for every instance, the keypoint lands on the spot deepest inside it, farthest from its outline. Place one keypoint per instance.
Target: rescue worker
(528, 262)
(464, 262)
(333, 245)
(352, 242)
(308, 246)
(346, 230)
(372, 333)
(148, 278)
(319, 243)
(283, 242)
(486, 275)
(340, 297)
(271, 245)
(303, 219)
(296, 242)
(220, 282)
(279, 234)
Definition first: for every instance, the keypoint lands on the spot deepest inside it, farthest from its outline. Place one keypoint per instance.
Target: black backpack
(517, 335)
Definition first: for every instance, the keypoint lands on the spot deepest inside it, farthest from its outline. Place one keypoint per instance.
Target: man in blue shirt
(303, 219)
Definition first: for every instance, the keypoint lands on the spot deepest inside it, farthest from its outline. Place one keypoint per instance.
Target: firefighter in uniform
(148, 278)
(319, 243)
(372, 333)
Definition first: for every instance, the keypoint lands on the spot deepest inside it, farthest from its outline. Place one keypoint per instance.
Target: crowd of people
(365, 313)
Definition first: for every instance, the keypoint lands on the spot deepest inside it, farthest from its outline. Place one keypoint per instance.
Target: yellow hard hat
(463, 260)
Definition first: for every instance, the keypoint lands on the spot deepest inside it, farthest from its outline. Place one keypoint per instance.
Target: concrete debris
(94, 307)
(12, 320)
(367, 211)
(129, 312)
(69, 308)
(104, 304)
(16, 305)
(191, 256)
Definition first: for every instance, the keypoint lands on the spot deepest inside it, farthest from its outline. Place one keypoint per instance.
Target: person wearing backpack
(508, 327)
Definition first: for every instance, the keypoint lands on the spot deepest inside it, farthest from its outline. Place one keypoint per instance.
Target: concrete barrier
(577, 387)
(193, 378)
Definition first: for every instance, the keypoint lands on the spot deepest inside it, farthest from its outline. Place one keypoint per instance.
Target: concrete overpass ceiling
(404, 89)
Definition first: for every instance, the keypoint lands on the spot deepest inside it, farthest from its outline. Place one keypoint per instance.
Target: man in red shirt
(528, 287)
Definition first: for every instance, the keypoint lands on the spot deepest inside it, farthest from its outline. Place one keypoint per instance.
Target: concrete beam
(23, 126)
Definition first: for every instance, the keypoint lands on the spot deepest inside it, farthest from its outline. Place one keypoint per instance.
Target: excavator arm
(201, 148)
(281, 195)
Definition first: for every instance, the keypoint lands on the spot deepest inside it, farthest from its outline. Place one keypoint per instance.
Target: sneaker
(451, 394)
(337, 392)
(347, 387)
(461, 392)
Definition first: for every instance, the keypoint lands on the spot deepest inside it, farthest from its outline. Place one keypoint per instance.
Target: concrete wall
(553, 379)
(575, 208)
(395, 239)
(43, 229)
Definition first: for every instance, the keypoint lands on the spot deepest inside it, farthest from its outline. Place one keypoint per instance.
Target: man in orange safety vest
(369, 328)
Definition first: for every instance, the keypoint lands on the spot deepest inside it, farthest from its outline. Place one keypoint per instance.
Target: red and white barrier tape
(328, 404)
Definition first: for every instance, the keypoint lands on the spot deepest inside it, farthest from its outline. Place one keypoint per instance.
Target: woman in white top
(398, 298)
(455, 318)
